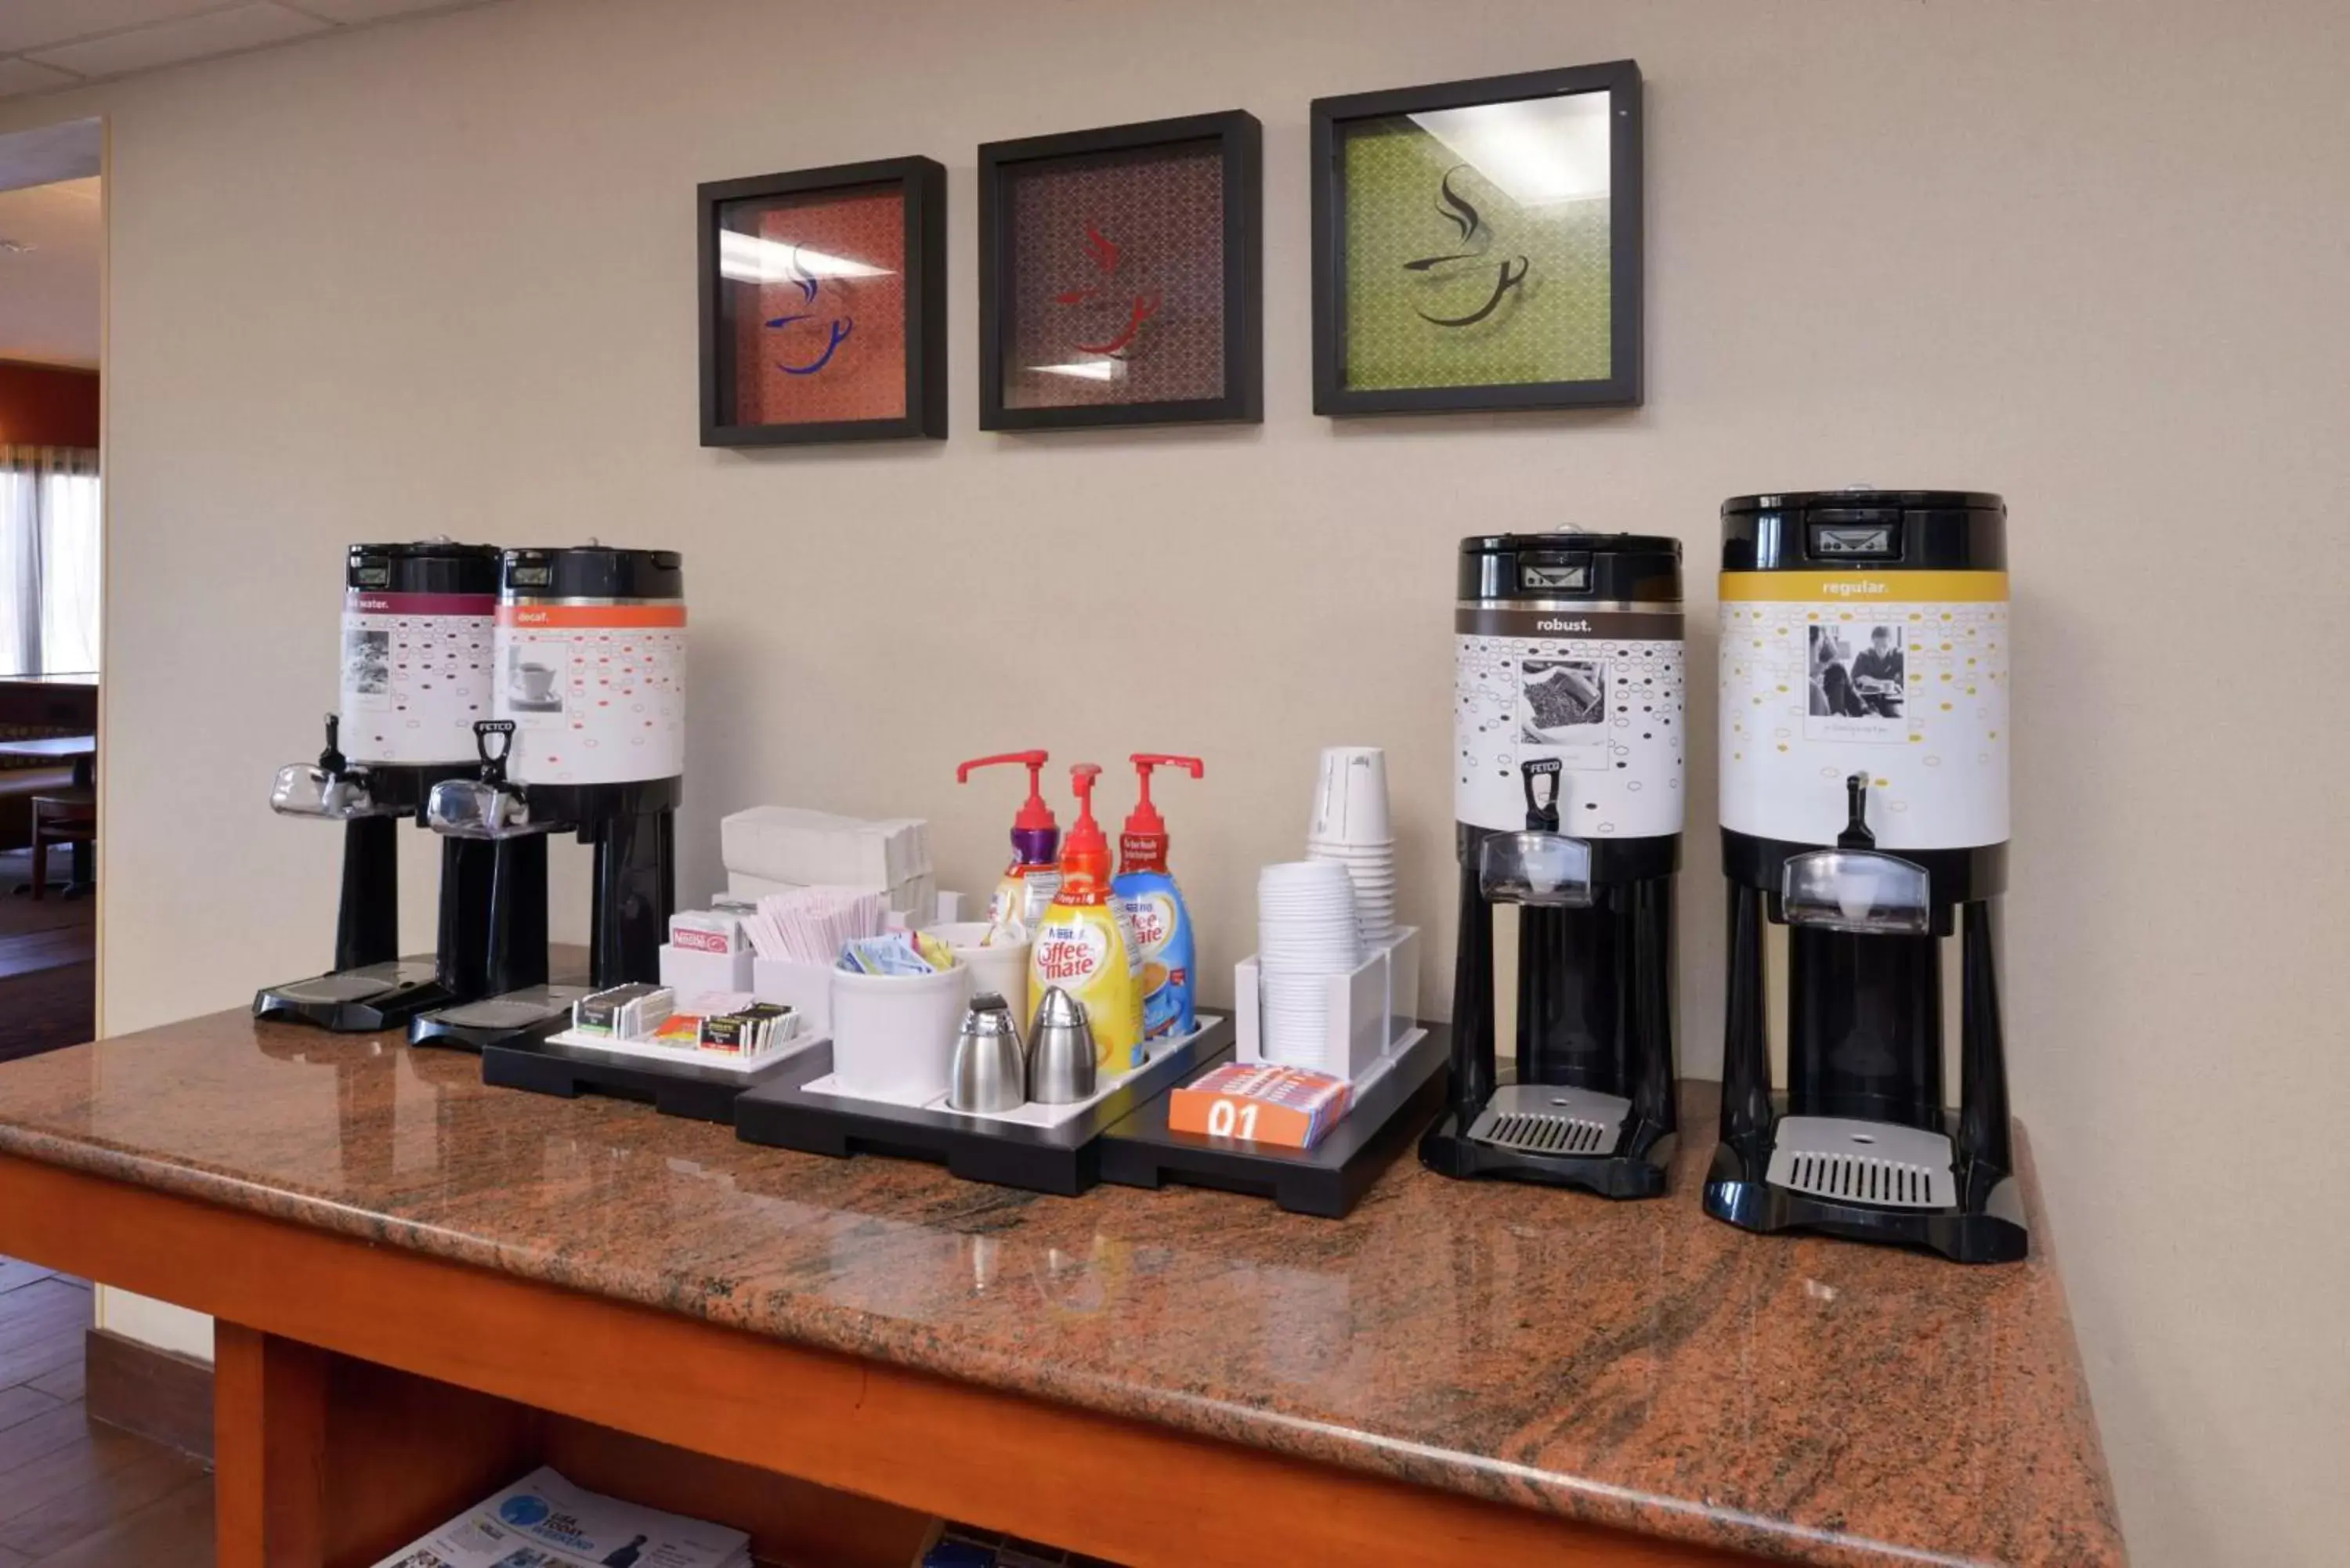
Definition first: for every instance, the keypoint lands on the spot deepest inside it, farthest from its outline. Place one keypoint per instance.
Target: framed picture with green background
(1477, 245)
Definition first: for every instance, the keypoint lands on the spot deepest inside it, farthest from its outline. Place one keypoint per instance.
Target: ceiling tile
(24, 76)
(168, 43)
(372, 10)
(36, 24)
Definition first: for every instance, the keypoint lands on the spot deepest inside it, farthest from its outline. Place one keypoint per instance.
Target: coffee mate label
(1152, 917)
(1600, 691)
(1902, 676)
(1076, 949)
(1069, 953)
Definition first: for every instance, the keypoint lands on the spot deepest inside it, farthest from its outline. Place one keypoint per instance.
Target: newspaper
(545, 1522)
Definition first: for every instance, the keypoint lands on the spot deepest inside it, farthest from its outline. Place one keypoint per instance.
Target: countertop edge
(1500, 1481)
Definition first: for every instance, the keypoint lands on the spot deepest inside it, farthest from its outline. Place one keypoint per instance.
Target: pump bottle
(1083, 944)
(1154, 907)
(1029, 883)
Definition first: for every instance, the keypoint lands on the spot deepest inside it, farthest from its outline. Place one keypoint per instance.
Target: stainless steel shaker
(1060, 1051)
(990, 1071)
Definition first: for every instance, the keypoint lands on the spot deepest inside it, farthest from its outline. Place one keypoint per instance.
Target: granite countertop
(1631, 1365)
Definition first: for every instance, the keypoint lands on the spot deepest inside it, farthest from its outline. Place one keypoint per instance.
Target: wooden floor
(76, 1493)
(48, 972)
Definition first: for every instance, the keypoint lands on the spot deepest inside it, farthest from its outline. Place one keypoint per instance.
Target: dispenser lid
(593, 572)
(1865, 528)
(1643, 568)
(423, 567)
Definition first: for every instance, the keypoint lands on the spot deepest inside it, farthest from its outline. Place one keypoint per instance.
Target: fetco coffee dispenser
(1865, 808)
(1568, 781)
(417, 633)
(590, 737)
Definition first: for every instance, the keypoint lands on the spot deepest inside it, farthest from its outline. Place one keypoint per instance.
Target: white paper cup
(893, 1034)
(1350, 796)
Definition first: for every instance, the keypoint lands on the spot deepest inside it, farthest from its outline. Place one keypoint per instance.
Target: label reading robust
(1600, 691)
(1902, 676)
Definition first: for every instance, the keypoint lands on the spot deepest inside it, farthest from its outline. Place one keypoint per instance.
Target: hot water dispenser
(1864, 764)
(416, 656)
(1569, 783)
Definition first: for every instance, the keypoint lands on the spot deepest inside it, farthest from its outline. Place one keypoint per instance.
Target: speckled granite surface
(1633, 1365)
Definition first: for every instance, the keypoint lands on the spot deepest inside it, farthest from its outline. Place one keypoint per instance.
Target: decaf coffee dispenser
(1569, 737)
(1864, 759)
(416, 657)
(590, 737)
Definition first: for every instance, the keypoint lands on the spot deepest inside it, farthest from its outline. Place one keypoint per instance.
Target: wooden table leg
(269, 1450)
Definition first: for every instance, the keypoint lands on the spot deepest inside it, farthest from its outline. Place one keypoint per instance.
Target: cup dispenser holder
(1541, 867)
(486, 807)
(329, 790)
(1855, 887)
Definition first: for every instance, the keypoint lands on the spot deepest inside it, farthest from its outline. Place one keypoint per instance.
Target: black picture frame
(924, 183)
(1240, 140)
(1622, 387)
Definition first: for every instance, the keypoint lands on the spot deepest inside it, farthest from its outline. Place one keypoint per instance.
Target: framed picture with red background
(824, 305)
(1121, 275)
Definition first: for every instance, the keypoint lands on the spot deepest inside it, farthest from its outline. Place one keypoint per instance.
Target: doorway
(52, 251)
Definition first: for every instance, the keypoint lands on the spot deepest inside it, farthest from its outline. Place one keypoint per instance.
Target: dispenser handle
(1855, 834)
(1542, 816)
(1147, 760)
(332, 760)
(1031, 760)
(494, 761)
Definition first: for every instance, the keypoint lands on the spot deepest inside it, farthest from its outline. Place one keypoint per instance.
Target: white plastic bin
(893, 1035)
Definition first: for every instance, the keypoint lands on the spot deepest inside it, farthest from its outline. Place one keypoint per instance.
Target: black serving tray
(1327, 1180)
(1063, 1159)
(674, 1089)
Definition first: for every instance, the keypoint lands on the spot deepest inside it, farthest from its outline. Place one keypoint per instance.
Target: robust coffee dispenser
(590, 688)
(417, 633)
(1568, 781)
(1865, 809)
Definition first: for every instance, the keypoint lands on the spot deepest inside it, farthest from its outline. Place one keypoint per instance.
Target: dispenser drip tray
(361, 984)
(1849, 1161)
(1546, 1118)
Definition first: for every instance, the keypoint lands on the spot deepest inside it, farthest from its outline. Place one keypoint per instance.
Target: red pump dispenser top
(1142, 845)
(1086, 852)
(1034, 830)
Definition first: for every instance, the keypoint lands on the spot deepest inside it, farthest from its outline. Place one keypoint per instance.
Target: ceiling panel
(49, 292)
(24, 76)
(213, 33)
(36, 24)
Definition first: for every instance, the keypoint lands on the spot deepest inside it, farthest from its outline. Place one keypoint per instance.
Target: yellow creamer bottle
(1084, 945)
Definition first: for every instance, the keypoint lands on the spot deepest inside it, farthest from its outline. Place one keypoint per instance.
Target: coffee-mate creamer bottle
(1035, 875)
(1155, 910)
(1084, 945)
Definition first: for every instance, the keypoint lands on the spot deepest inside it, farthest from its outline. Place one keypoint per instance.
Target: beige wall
(439, 277)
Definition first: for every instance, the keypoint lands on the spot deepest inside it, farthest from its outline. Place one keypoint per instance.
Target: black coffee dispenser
(1865, 809)
(417, 635)
(590, 688)
(1569, 783)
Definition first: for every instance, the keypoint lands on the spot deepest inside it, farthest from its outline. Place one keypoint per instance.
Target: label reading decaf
(1600, 691)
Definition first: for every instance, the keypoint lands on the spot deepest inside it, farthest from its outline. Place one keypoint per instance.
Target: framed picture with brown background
(1121, 275)
(1477, 245)
(824, 305)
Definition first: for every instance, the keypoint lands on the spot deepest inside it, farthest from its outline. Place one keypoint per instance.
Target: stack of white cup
(1351, 827)
(1305, 933)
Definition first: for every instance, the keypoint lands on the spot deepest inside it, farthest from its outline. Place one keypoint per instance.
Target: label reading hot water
(1600, 690)
(416, 675)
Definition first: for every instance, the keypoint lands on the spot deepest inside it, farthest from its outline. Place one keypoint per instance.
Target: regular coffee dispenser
(1864, 789)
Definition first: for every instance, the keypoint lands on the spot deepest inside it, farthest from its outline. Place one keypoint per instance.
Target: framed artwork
(1121, 275)
(824, 305)
(1477, 245)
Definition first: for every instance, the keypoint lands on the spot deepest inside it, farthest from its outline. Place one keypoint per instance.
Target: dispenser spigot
(484, 806)
(1542, 815)
(1855, 834)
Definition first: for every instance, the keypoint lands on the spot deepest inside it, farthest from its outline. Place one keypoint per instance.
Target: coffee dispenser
(1568, 781)
(1864, 761)
(416, 656)
(589, 738)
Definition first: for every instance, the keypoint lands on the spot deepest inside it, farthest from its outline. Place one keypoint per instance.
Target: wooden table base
(363, 1393)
